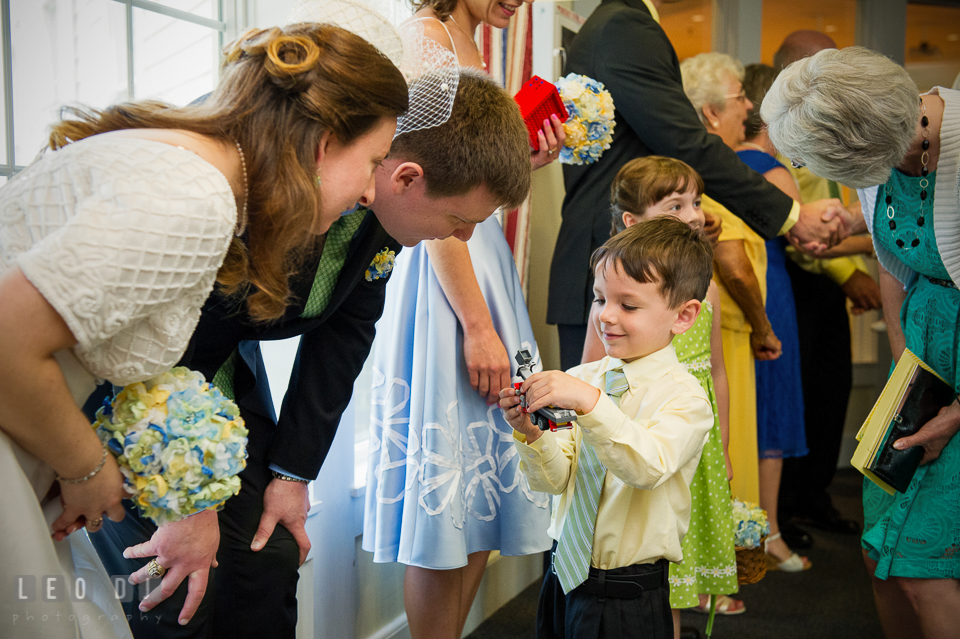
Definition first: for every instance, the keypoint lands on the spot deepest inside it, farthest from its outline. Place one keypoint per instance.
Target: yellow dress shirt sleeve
(791, 220)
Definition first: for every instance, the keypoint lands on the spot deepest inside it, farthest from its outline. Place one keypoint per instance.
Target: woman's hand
(487, 362)
(88, 502)
(935, 434)
(187, 549)
(552, 138)
(765, 345)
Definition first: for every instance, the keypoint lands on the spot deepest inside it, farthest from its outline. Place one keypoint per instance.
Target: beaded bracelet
(79, 480)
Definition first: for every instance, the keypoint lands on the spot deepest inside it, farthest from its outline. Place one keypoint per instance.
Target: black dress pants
(251, 594)
(585, 613)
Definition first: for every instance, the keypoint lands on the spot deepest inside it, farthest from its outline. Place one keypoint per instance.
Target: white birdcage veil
(355, 16)
(433, 74)
(432, 71)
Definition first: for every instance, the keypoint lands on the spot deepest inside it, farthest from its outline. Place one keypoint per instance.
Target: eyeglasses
(797, 164)
(740, 97)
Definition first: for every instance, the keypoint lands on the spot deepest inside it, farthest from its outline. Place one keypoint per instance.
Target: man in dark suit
(622, 45)
(423, 191)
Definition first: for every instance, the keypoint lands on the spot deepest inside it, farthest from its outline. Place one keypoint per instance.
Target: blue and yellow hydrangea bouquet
(179, 442)
(589, 128)
(750, 524)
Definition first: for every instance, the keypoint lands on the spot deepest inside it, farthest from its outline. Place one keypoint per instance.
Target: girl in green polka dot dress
(663, 186)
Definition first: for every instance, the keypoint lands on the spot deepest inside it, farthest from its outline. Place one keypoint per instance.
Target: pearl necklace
(924, 183)
(242, 218)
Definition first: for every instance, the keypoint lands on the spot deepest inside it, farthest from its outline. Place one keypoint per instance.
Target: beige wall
(544, 225)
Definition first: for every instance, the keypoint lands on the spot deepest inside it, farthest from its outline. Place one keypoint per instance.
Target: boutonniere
(381, 266)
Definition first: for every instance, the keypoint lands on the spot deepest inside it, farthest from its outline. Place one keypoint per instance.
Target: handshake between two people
(823, 224)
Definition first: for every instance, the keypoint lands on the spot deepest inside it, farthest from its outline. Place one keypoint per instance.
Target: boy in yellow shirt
(622, 473)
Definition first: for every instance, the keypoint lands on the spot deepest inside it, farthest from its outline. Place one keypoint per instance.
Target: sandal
(725, 606)
(793, 563)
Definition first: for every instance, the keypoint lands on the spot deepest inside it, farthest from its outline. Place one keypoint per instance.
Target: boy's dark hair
(663, 250)
(643, 182)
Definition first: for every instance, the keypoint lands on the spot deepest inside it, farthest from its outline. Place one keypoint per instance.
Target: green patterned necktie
(328, 271)
(571, 560)
(334, 255)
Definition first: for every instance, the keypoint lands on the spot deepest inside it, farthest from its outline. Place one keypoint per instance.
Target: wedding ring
(95, 522)
(154, 569)
(550, 151)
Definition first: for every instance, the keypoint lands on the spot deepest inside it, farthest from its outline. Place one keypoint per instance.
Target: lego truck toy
(548, 418)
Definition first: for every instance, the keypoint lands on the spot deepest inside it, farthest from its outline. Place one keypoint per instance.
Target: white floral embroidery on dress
(395, 437)
(450, 466)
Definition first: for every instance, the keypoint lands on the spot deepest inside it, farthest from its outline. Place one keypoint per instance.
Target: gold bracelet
(79, 480)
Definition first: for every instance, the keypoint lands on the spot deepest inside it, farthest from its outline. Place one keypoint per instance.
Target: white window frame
(235, 11)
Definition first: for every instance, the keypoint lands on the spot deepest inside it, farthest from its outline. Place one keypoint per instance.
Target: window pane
(3, 115)
(64, 51)
(173, 60)
(202, 8)
(689, 25)
(836, 18)
(933, 45)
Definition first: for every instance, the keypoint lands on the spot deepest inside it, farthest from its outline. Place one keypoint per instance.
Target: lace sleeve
(130, 268)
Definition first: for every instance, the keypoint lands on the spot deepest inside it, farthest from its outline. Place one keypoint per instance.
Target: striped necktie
(574, 548)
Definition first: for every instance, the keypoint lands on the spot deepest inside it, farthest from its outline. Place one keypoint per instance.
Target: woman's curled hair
(280, 90)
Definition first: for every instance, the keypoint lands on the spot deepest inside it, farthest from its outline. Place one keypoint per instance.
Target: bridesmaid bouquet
(589, 128)
(179, 442)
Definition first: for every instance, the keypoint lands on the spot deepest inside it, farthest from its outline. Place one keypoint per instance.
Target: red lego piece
(538, 100)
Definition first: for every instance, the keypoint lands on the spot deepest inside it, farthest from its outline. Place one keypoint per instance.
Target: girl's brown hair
(280, 90)
(643, 182)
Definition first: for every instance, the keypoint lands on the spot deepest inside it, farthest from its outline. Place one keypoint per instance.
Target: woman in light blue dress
(444, 487)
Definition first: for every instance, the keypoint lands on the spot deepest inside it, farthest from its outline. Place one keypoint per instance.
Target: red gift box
(538, 100)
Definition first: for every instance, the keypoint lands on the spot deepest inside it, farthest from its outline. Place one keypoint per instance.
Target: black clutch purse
(924, 398)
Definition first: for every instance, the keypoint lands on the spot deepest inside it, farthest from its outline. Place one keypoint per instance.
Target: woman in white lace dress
(109, 245)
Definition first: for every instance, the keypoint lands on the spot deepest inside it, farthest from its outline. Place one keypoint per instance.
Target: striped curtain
(508, 54)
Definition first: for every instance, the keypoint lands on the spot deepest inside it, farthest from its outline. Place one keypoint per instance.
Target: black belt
(944, 283)
(602, 584)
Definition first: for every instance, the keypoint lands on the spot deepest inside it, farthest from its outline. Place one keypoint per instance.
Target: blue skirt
(780, 424)
(444, 479)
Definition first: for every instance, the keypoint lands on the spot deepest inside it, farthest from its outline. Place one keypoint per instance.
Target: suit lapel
(369, 240)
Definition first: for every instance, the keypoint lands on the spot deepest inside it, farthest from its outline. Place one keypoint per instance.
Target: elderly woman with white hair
(856, 117)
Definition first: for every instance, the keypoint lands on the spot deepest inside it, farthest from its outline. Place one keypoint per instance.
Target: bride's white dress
(123, 237)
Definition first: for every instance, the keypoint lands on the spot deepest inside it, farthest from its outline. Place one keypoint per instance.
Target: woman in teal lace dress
(910, 145)
(657, 186)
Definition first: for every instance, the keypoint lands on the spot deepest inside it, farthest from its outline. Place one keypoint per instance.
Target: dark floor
(832, 599)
